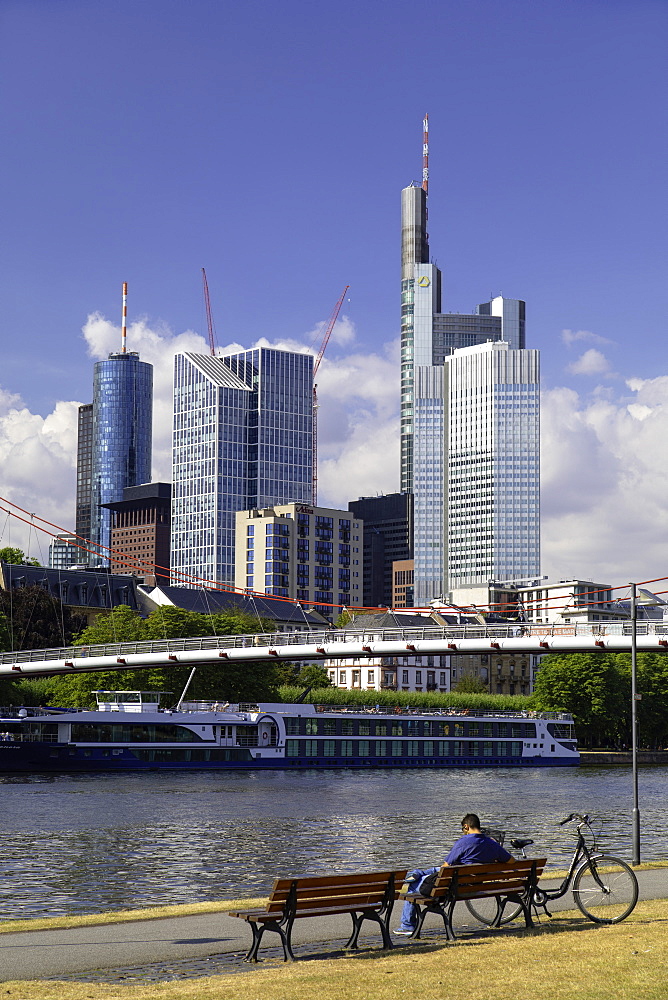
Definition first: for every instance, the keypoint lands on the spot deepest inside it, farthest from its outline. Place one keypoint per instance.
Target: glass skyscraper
(122, 420)
(428, 335)
(476, 469)
(470, 451)
(242, 439)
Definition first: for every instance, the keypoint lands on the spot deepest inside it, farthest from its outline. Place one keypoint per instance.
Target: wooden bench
(367, 896)
(507, 882)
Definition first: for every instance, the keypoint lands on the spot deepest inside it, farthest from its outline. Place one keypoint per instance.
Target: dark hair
(472, 821)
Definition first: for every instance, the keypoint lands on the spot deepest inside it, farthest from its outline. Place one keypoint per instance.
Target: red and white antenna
(124, 318)
(425, 154)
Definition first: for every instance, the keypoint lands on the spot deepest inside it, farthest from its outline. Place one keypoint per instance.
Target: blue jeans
(409, 910)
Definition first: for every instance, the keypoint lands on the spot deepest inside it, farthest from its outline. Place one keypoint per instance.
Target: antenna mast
(124, 318)
(425, 154)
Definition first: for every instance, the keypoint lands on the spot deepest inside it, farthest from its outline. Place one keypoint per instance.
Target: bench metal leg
(358, 919)
(285, 935)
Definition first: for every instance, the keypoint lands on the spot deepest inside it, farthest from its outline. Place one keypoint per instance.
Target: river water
(90, 843)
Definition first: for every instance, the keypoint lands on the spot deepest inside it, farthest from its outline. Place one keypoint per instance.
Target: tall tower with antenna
(121, 434)
(461, 516)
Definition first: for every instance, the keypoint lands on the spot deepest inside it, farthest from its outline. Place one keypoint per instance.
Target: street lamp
(644, 597)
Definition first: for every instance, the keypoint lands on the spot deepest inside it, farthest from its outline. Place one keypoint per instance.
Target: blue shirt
(476, 849)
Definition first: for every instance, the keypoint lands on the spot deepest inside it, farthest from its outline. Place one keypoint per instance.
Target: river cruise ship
(130, 731)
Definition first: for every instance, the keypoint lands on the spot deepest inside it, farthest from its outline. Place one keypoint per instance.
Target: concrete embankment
(622, 757)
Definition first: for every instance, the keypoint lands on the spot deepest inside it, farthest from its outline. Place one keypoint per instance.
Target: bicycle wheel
(605, 889)
(485, 910)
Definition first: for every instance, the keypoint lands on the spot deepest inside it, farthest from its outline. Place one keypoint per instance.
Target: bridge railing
(333, 636)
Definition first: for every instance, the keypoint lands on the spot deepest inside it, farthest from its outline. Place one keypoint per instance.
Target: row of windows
(402, 748)
(408, 727)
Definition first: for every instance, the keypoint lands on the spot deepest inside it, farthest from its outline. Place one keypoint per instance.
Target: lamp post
(635, 832)
(649, 600)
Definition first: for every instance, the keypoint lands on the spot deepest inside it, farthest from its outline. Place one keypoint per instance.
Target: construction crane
(325, 340)
(209, 317)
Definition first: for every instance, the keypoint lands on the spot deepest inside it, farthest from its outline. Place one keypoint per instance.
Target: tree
(122, 624)
(16, 556)
(234, 680)
(314, 676)
(594, 687)
(471, 684)
(36, 619)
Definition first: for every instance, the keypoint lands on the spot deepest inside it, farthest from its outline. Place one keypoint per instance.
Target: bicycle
(605, 888)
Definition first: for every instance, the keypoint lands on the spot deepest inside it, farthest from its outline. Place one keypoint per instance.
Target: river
(90, 843)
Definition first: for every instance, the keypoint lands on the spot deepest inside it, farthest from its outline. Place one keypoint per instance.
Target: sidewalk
(187, 947)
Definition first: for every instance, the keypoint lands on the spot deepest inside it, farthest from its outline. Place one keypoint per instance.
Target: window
(381, 748)
(363, 748)
(370, 677)
(328, 748)
(310, 748)
(346, 748)
(396, 748)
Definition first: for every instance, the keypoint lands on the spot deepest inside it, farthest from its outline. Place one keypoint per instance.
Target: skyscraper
(242, 439)
(469, 413)
(476, 469)
(122, 421)
(84, 474)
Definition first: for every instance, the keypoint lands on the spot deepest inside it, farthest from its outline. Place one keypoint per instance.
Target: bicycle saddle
(519, 844)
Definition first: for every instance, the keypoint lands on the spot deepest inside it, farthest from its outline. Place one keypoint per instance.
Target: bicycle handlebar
(583, 819)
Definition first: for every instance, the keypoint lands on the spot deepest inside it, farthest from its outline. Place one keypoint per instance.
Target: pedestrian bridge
(340, 644)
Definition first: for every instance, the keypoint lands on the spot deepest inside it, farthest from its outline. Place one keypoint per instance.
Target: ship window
(125, 732)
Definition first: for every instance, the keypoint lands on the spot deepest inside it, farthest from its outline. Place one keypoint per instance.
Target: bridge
(339, 644)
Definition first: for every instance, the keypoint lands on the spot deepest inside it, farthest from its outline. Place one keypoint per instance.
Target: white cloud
(604, 482)
(38, 460)
(592, 362)
(572, 336)
(605, 485)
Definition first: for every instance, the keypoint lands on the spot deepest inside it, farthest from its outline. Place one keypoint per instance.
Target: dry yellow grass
(568, 959)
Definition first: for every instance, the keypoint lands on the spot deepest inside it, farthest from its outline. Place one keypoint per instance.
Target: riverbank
(622, 758)
(625, 961)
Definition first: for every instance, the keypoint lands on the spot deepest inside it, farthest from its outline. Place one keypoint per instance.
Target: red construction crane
(209, 317)
(325, 340)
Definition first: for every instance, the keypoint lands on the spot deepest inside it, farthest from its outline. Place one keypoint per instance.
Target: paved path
(193, 940)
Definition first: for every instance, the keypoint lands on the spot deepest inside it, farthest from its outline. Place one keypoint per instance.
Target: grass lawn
(569, 958)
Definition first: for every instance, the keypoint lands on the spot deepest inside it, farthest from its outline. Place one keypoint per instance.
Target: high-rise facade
(388, 537)
(84, 475)
(122, 420)
(476, 469)
(310, 554)
(469, 422)
(242, 439)
(429, 335)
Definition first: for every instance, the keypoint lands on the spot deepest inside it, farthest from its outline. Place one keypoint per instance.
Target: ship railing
(334, 636)
(491, 713)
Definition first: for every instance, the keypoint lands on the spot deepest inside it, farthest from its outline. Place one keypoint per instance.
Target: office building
(428, 335)
(84, 475)
(122, 418)
(388, 536)
(242, 440)
(469, 425)
(477, 470)
(140, 532)
(311, 554)
(64, 552)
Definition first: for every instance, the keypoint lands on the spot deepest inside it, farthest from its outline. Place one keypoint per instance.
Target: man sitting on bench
(473, 848)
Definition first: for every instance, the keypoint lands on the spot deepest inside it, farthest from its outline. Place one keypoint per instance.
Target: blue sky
(268, 142)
